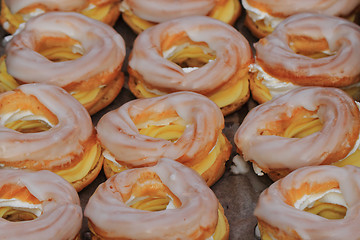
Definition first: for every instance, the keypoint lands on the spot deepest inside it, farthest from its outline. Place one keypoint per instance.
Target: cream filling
(332, 196)
(256, 15)
(132, 200)
(35, 209)
(108, 156)
(277, 87)
(21, 115)
(240, 166)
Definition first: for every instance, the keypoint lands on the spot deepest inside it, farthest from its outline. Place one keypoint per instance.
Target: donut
(164, 201)
(14, 13)
(140, 15)
(81, 55)
(38, 205)
(42, 127)
(307, 126)
(263, 16)
(319, 202)
(198, 54)
(307, 50)
(183, 126)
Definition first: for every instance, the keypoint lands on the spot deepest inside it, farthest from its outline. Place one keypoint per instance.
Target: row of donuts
(148, 144)
(262, 16)
(196, 53)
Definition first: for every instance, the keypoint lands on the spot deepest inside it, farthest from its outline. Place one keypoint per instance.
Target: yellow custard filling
(7, 82)
(150, 203)
(327, 210)
(28, 126)
(87, 163)
(226, 11)
(16, 215)
(224, 97)
(259, 89)
(98, 12)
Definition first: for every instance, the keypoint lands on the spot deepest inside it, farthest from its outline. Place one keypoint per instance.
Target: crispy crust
(106, 95)
(254, 29)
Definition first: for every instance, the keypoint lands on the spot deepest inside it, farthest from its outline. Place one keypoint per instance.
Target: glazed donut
(307, 50)
(43, 128)
(165, 201)
(38, 205)
(198, 54)
(320, 202)
(263, 16)
(77, 53)
(140, 15)
(16, 12)
(183, 126)
(307, 126)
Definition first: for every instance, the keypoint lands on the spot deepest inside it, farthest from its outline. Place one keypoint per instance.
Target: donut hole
(59, 49)
(150, 194)
(186, 53)
(17, 204)
(168, 126)
(299, 124)
(329, 204)
(309, 47)
(25, 114)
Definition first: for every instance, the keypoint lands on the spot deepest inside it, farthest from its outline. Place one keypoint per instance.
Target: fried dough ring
(64, 138)
(200, 144)
(224, 78)
(261, 136)
(195, 215)
(56, 201)
(282, 208)
(98, 68)
(307, 50)
(14, 13)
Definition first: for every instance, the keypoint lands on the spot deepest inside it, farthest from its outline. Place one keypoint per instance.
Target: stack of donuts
(118, 119)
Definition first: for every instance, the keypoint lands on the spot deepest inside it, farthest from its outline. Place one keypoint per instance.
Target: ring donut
(38, 205)
(305, 127)
(43, 128)
(140, 15)
(307, 50)
(263, 16)
(183, 126)
(320, 202)
(14, 13)
(165, 201)
(70, 50)
(198, 54)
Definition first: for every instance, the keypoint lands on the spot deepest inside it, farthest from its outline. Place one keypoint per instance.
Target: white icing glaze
(120, 136)
(273, 206)
(147, 56)
(61, 215)
(198, 212)
(337, 112)
(52, 5)
(275, 56)
(164, 10)
(61, 143)
(285, 8)
(104, 49)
